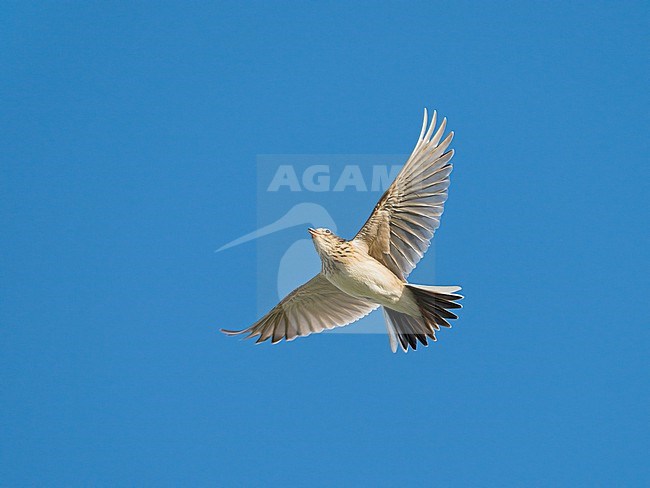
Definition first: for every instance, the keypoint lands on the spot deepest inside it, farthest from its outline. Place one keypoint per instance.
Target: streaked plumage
(371, 270)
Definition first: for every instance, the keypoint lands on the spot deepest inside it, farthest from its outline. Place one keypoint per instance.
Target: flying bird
(371, 270)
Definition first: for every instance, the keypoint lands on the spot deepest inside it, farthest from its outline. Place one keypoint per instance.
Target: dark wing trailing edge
(404, 220)
(313, 307)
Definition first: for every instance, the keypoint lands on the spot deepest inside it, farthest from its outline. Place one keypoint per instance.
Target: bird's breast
(366, 277)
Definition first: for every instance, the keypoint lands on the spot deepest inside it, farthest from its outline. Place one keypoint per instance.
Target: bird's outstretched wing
(400, 227)
(313, 307)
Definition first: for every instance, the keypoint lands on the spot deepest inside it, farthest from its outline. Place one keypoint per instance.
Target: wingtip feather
(232, 332)
(424, 124)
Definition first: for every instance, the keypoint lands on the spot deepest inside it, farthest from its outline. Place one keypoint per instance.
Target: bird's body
(371, 270)
(349, 267)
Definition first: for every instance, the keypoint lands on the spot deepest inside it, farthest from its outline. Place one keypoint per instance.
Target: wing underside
(401, 226)
(313, 307)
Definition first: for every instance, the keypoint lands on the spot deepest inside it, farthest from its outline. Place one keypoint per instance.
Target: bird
(371, 270)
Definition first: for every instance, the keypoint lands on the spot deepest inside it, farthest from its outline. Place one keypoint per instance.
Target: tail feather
(405, 330)
(434, 303)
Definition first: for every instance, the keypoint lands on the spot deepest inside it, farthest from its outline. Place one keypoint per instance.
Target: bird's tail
(434, 303)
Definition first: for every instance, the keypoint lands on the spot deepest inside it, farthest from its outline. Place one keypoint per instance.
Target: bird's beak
(312, 231)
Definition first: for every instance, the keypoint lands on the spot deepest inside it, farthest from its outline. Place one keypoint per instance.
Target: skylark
(369, 271)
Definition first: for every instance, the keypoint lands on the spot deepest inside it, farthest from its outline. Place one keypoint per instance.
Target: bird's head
(325, 241)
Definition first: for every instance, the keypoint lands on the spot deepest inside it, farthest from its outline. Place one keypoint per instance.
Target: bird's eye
(327, 231)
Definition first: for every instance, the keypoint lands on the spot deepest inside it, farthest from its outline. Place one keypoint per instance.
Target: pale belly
(369, 279)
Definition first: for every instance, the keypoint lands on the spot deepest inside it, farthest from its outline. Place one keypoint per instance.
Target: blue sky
(128, 144)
